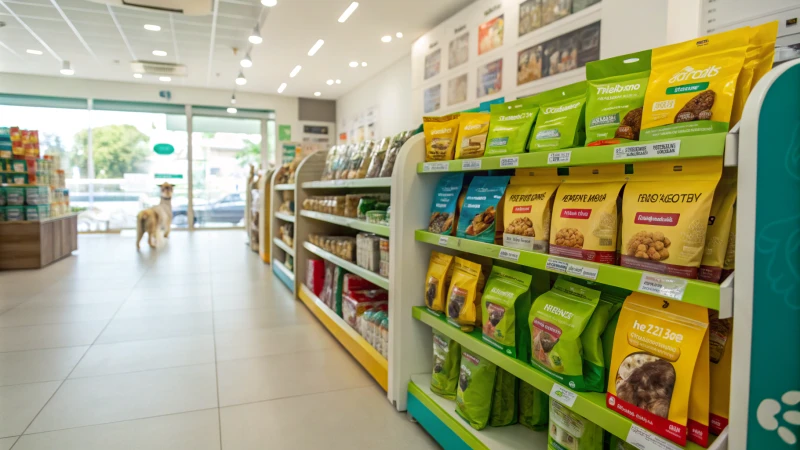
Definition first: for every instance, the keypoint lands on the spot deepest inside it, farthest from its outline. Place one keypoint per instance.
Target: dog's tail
(141, 218)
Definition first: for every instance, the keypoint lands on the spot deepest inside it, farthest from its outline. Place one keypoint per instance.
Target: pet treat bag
(757, 61)
(446, 358)
(440, 137)
(510, 126)
(557, 319)
(699, 396)
(721, 350)
(527, 209)
(445, 199)
(614, 98)
(533, 407)
(568, 430)
(665, 213)
(730, 253)
(472, 132)
(584, 223)
(478, 216)
(462, 293)
(440, 270)
(505, 305)
(504, 399)
(560, 121)
(656, 346)
(594, 373)
(475, 389)
(718, 230)
(692, 86)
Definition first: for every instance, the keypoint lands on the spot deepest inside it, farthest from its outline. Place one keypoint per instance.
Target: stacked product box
(25, 180)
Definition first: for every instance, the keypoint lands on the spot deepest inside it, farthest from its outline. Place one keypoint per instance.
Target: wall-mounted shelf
(356, 183)
(284, 246)
(381, 230)
(284, 187)
(285, 217)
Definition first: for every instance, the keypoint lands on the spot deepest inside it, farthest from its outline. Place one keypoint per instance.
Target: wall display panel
(490, 35)
(459, 51)
(433, 63)
(433, 98)
(490, 78)
(562, 54)
(457, 90)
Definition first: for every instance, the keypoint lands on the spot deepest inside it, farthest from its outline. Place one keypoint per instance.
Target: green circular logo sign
(164, 149)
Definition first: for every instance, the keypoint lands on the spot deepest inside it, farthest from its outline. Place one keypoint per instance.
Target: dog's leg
(139, 228)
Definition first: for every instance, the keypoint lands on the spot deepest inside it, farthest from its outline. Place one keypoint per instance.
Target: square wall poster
(432, 98)
(459, 51)
(433, 64)
(490, 34)
(457, 90)
(490, 78)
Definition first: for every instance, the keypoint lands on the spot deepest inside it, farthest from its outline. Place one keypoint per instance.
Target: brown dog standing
(155, 218)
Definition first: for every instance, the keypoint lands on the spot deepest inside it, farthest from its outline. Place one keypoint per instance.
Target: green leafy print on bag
(557, 319)
(475, 389)
(509, 126)
(446, 356)
(533, 407)
(505, 305)
(504, 400)
(560, 121)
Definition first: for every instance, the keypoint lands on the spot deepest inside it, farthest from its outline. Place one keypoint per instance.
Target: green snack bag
(608, 341)
(614, 98)
(446, 355)
(561, 116)
(533, 407)
(504, 400)
(475, 389)
(509, 126)
(572, 431)
(480, 211)
(557, 320)
(505, 305)
(591, 340)
(619, 444)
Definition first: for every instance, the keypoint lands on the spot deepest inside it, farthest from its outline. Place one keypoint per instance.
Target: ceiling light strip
(36, 36)
(121, 33)
(10, 50)
(316, 47)
(346, 14)
(213, 40)
(174, 39)
(75, 30)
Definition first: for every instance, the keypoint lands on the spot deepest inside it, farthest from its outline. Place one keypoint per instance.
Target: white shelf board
(284, 216)
(356, 224)
(284, 246)
(284, 187)
(280, 266)
(358, 183)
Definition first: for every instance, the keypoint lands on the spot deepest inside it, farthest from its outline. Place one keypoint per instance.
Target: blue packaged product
(482, 209)
(445, 201)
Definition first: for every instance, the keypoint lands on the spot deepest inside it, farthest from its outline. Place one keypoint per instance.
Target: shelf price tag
(435, 167)
(471, 164)
(510, 161)
(443, 240)
(581, 271)
(647, 151)
(556, 265)
(563, 395)
(559, 157)
(509, 255)
(645, 440)
(663, 286)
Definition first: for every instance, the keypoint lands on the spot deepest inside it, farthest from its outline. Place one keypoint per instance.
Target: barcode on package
(471, 164)
(435, 167)
(559, 157)
(508, 255)
(511, 161)
(646, 151)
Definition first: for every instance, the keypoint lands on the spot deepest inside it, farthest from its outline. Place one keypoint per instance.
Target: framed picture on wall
(530, 16)
(490, 78)
(553, 10)
(490, 34)
(433, 64)
(457, 90)
(432, 98)
(458, 51)
(558, 55)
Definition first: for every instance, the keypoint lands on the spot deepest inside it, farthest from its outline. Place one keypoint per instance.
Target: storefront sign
(284, 132)
(164, 149)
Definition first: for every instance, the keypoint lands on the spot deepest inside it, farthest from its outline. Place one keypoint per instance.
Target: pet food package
(614, 98)
(378, 156)
(472, 132)
(445, 200)
(757, 61)
(328, 171)
(533, 407)
(720, 335)
(504, 399)
(315, 275)
(479, 213)
(342, 163)
(359, 162)
(697, 423)
(594, 372)
(527, 209)
(446, 359)
(692, 85)
(656, 346)
(560, 123)
(440, 137)
(584, 224)
(391, 154)
(505, 305)
(475, 389)
(730, 254)
(462, 310)
(437, 281)
(557, 320)
(718, 230)
(665, 213)
(568, 430)
(619, 444)
(510, 126)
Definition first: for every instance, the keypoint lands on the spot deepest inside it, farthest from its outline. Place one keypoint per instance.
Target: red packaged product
(315, 275)
(354, 282)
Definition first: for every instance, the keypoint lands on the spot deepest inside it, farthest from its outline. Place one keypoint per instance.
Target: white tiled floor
(193, 346)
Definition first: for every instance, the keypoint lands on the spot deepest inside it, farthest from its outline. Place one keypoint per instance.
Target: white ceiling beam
(121, 33)
(74, 30)
(213, 39)
(35, 36)
(174, 39)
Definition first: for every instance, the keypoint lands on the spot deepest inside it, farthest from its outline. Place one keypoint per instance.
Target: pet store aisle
(193, 346)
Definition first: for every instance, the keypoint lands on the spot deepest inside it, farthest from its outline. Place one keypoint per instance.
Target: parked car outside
(228, 210)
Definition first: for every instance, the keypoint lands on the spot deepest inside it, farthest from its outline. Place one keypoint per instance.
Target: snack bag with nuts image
(475, 389)
(571, 431)
(584, 223)
(757, 61)
(462, 293)
(721, 349)
(446, 358)
(560, 123)
(504, 399)
(656, 348)
(440, 136)
(719, 228)
(510, 126)
(481, 209)
(533, 407)
(472, 132)
(692, 85)
(440, 270)
(445, 200)
(557, 319)
(665, 212)
(505, 305)
(527, 209)
(614, 98)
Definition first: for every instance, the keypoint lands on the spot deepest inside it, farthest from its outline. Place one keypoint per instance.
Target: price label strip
(471, 164)
(559, 157)
(645, 440)
(647, 151)
(508, 255)
(443, 241)
(570, 268)
(508, 162)
(662, 285)
(563, 395)
(435, 167)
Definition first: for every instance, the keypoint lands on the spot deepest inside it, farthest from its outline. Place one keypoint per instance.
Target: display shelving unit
(280, 249)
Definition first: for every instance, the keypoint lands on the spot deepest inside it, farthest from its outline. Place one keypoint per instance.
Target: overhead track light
(150, 27)
(348, 11)
(246, 62)
(295, 71)
(281, 88)
(66, 68)
(241, 80)
(316, 47)
(255, 36)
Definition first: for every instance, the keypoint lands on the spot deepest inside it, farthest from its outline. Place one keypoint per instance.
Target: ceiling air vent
(159, 68)
(188, 7)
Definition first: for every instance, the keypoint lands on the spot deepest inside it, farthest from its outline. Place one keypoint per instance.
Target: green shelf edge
(347, 265)
(701, 146)
(591, 405)
(356, 224)
(697, 292)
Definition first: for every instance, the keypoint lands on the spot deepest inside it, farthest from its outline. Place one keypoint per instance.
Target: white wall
(390, 91)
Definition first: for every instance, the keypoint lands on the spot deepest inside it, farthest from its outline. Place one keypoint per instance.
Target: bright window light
(348, 11)
(316, 47)
(150, 27)
(281, 88)
(295, 71)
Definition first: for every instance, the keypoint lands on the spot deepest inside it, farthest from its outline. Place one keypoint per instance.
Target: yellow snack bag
(699, 397)
(440, 269)
(721, 344)
(472, 131)
(440, 137)
(665, 213)
(718, 230)
(757, 61)
(584, 223)
(692, 85)
(656, 348)
(462, 310)
(729, 264)
(527, 209)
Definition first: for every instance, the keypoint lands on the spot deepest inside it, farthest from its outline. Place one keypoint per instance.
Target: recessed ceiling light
(348, 11)
(150, 27)
(316, 47)
(363, 64)
(329, 82)
(231, 110)
(246, 62)
(317, 94)
(241, 80)
(34, 52)
(353, 63)
(386, 38)
(338, 81)
(295, 71)
(269, 3)
(165, 79)
(137, 75)
(281, 88)
(159, 53)
(399, 35)
(255, 36)
(66, 68)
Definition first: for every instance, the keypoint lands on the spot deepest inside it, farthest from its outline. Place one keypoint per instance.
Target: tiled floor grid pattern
(193, 346)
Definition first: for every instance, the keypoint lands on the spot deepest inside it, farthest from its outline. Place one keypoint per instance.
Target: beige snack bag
(718, 231)
(472, 132)
(527, 209)
(440, 137)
